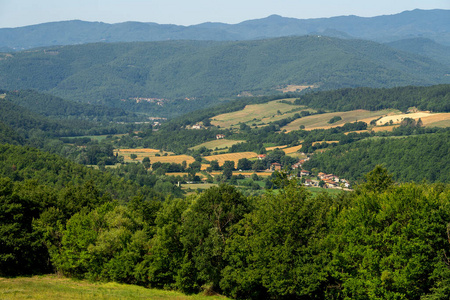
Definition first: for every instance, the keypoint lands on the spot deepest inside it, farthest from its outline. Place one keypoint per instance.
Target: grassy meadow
(151, 153)
(219, 144)
(51, 287)
(258, 114)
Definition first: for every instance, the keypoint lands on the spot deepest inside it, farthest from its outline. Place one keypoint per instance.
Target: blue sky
(16, 13)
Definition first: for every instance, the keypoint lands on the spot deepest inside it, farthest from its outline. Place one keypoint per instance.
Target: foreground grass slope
(52, 287)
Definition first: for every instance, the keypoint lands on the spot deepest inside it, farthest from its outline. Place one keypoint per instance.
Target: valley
(239, 164)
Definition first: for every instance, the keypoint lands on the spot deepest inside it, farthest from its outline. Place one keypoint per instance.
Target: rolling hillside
(160, 72)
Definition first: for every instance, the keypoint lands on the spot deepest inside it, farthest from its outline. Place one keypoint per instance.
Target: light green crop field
(51, 287)
(257, 114)
(219, 144)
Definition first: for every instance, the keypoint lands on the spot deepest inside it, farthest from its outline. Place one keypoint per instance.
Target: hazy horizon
(21, 13)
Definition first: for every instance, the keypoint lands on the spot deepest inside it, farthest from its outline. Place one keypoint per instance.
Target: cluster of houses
(333, 181)
(158, 101)
(329, 180)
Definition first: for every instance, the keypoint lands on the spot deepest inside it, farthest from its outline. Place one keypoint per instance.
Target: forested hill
(21, 163)
(55, 107)
(109, 73)
(409, 159)
(431, 24)
(433, 98)
(425, 47)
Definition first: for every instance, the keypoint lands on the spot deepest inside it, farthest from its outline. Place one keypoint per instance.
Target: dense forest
(383, 241)
(52, 106)
(435, 98)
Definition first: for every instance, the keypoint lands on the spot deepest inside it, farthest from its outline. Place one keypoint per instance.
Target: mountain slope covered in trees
(425, 47)
(434, 98)
(107, 73)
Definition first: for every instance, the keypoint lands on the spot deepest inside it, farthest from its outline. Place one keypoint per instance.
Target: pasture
(257, 114)
(52, 287)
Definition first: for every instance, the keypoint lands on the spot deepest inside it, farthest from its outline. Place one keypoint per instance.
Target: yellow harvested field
(428, 119)
(438, 120)
(275, 147)
(264, 174)
(292, 149)
(177, 174)
(396, 119)
(256, 113)
(321, 121)
(144, 150)
(178, 159)
(384, 128)
(328, 142)
(141, 153)
(356, 131)
(221, 158)
(219, 144)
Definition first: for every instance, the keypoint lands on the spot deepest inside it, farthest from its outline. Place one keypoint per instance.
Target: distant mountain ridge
(431, 24)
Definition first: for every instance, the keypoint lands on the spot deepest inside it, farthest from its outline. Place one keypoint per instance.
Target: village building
(220, 136)
(275, 167)
(296, 166)
(305, 173)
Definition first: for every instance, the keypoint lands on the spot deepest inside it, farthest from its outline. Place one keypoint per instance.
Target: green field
(51, 287)
(219, 144)
(258, 114)
(97, 137)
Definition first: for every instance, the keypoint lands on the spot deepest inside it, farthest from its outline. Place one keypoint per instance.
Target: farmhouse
(197, 126)
(275, 167)
(220, 136)
(261, 156)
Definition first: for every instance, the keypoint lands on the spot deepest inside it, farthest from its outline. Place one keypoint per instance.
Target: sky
(17, 13)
